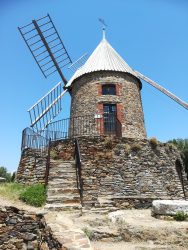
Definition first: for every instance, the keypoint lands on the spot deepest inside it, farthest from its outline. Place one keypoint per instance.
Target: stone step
(63, 199)
(63, 171)
(63, 166)
(64, 187)
(61, 207)
(62, 193)
(58, 176)
(52, 191)
(61, 181)
(67, 196)
(98, 210)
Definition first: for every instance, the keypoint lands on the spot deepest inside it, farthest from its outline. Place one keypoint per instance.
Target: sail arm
(47, 108)
(162, 89)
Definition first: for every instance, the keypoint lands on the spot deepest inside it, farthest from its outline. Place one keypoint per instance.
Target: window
(108, 89)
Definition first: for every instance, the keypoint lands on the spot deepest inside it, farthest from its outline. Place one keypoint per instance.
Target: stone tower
(105, 88)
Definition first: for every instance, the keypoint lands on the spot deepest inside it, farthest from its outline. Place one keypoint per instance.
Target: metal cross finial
(103, 27)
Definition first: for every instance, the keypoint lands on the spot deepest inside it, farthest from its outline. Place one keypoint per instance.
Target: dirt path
(19, 204)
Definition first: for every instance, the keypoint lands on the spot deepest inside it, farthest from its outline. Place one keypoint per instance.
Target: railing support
(47, 164)
(78, 170)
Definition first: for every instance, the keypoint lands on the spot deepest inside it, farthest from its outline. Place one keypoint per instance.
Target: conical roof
(103, 58)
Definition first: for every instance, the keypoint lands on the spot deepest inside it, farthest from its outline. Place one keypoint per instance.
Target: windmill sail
(46, 46)
(47, 108)
(160, 88)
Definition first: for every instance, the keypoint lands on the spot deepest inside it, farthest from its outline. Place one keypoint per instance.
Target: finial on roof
(103, 28)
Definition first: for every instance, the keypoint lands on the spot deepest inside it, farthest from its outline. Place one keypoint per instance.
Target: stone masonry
(87, 99)
(117, 172)
(125, 173)
(20, 230)
(32, 167)
(129, 172)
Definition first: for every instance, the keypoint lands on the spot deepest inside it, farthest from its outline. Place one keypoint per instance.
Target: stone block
(169, 207)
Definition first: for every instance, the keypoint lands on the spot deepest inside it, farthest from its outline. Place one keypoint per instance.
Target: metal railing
(78, 169)
(100, 124)
(34, 140)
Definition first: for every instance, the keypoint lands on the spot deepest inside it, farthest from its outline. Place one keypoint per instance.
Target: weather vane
(103, 26)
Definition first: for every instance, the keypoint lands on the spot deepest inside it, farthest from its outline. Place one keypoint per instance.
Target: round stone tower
(106, 96)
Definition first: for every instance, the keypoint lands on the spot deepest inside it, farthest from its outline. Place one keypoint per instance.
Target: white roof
(103, 58)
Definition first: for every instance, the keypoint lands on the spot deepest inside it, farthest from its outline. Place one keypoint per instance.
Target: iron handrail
(78, 169)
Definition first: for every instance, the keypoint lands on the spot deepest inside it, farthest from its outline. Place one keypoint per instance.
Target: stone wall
(117, 172)
(87, 99)
(32, 167)
(126, 172)
(22, 230)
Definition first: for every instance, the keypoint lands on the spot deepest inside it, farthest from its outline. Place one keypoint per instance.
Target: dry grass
(11, 190)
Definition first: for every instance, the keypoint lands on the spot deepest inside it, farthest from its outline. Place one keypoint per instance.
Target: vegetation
(11, 191)
(127, 148)
(34, 195)
(89, 233)
(180, 216)
(153, 142)
(182, 145)
(136, 147)
(5, 174)
(108, 143)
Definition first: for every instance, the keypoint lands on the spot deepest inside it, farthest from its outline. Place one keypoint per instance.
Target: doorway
(110, 117)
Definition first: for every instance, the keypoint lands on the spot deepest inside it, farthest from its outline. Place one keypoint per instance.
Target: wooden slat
(162, 89)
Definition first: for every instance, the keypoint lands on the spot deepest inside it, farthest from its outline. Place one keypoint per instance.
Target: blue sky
(151, 36)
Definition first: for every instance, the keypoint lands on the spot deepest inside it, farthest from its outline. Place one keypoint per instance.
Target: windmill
(51, 56)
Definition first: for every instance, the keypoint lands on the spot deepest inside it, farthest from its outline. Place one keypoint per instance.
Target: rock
(169, 207)
(116, 216)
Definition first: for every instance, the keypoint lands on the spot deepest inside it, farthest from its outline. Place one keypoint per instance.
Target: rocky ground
(135, 230)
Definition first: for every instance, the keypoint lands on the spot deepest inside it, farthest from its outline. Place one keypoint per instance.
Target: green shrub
(153, 142)
(34, 195)
(180, 216)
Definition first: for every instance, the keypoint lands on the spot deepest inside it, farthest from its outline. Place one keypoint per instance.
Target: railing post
(78, 170)
(47, 164)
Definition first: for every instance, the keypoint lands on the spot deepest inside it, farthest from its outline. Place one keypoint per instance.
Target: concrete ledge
(169, 207)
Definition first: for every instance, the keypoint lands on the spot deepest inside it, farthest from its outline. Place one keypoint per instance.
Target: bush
(180, 216)
(34, 195)
(153, 142)
(135, 147)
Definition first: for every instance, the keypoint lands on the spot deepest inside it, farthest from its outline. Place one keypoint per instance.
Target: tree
(5, 174)
(182, 145)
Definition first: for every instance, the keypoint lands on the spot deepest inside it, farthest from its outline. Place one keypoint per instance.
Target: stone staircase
(62, 191)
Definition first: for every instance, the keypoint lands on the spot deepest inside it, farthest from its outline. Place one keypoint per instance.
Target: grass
(180, 216)
(34, 195)
(11, 191)
(89, 233)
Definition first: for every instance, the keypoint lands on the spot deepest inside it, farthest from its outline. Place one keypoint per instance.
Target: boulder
(169, 207)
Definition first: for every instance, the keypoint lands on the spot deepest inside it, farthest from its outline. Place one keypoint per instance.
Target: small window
(109, 89)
